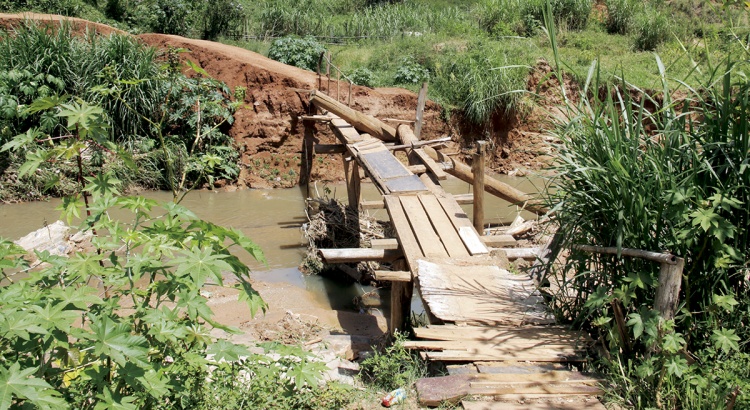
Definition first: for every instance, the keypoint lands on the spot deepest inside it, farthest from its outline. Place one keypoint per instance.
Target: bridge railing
(325, 58)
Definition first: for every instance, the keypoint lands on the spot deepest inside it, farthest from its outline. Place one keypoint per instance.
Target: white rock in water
(53, 238)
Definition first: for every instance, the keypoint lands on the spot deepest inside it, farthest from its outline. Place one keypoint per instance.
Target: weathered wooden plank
(521, 253)
(506, 348)
(406, 238)
(536, 356)
(460, 220)
(387, 243)
(362, 121)
(463, 199)
(346, 255)
(428, 239)
(464, 292)
(405, 184)
(434, 167)
(393, 276)
(563, 403)
(445, 229)
(435, 391)
(377, 204)
(344, 131)
(421, 99)
(497, 241)
(499, 334)
(385, 164)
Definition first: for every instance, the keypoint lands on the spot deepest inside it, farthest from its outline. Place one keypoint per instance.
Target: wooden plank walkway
(481, 314)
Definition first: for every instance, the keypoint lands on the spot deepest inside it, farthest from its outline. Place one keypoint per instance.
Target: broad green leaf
(71, 207)
(725, 339)
(103, 184)
(673, 342)
(15, 382)
(636, 322)
(22, 140)
(115, 340)
(677, 365)
(306, 373)
(33, 160)
(227, 351)
(45, 103)
(200, 264)
(110, 401)
(253, 299)
(726, 302)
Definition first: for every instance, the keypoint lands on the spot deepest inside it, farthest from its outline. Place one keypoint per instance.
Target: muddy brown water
(273, 219)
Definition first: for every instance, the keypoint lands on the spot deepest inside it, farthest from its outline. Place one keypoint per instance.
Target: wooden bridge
(488, 324)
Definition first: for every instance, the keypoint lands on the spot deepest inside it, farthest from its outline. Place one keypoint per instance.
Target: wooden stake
(307, 155)
(328, 72)
(420, 110)
(400, 300)
(352, 183)
(477, 170)
(338, 84)
(668, 290)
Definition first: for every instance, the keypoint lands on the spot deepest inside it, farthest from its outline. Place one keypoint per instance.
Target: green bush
(394, 367)
(651, 173)
(572, 14)
(651, 29)
(410, 72)
(299, 52)
(621, 15)
(218, 17)
(363, 76)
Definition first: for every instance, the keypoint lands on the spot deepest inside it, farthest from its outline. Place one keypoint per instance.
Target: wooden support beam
(491, 185)
(417, 144)
(477, 171)
(464, 199)
(498, 241)
(522, 253)
(407, 137)
(393, 276)
(349, 255)
(417, 169)
(330, 149)
(398, 121)
(611, 250)
(360, 121)
(401, 293)
(316, 118)
(378, 204)
(387, 243)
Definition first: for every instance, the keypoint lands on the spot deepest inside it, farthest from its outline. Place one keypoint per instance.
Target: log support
(401, 293)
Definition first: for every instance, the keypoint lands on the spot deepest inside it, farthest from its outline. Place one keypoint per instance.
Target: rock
(53, 238)
(82, 236)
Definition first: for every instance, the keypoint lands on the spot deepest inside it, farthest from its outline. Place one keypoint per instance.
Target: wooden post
(349, 103)
(420, 110)
(351, 168)
(668, 290)
(328, 72)
(400, 300)
(320, 63)
(477, 169)
(338, 84)
(308, 152)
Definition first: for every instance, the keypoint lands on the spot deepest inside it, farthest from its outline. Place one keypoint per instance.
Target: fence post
(668, 290)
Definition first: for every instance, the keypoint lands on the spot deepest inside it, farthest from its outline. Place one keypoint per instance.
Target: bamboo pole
(358, 120)
(667, 258)
(477, 170)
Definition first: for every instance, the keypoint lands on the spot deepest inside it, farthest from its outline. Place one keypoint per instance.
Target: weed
(620, 15)
(393, 367)
(299, 52)
(652, 29)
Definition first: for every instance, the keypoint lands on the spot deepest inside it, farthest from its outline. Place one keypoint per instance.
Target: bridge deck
(488, 315)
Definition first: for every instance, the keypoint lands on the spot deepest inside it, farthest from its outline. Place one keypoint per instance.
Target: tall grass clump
(641, 170)
(571, 14)
(500, 17)
(482, 82)
(651, 29)
(621, 15)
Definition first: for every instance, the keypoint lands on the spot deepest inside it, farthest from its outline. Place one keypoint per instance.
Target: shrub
(218, 17)
(168, 16)
(394, 367)
(652, 29)
(621, 15)
(363, 76)
(296, 51)
(410, 72)
(573, 14)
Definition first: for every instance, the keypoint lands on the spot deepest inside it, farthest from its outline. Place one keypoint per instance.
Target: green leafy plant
(651, 29)
(410, 71)
(299, 52)
(363, 76)
(621, 15)
(394, 367)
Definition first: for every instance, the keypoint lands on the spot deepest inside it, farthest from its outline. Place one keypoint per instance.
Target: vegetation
(146, 103)
(394, 367)
(648, 171)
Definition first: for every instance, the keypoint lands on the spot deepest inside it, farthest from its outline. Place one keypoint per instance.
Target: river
(272, 218)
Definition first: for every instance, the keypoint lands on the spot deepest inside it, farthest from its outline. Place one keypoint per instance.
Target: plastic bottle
(394, 397)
